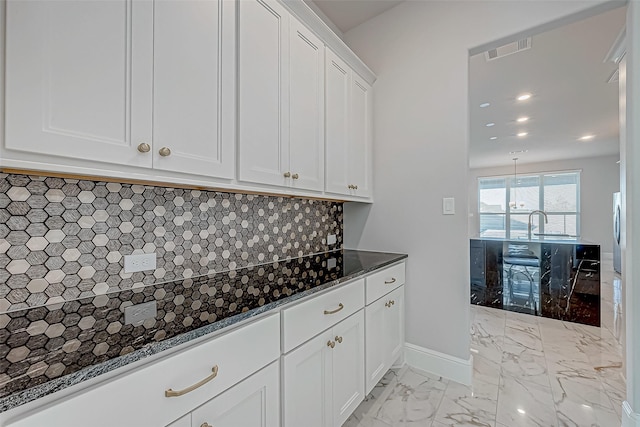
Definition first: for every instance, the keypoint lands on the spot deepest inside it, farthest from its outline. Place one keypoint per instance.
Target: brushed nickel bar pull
(176, 393)
(340, 307)
(388, 282)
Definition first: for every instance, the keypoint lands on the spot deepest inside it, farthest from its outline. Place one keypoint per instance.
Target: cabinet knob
(339, 339)
(331, 343)
(387, 304)
(355, 187)
(205, 425)
(164, 151)
(144, 147)
(295, 176)
(287, 174)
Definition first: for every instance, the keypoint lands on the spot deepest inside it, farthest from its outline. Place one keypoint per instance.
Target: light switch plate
(331, 239)
(448, 206)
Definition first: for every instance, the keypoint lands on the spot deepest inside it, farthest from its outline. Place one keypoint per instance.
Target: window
(504, 205)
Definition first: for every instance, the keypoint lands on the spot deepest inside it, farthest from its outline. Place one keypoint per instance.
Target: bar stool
(520, 262)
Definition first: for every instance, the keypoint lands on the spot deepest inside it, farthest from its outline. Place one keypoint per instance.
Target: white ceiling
(348, 14)
(565, 72)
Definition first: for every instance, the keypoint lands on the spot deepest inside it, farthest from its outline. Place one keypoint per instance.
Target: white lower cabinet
(254, 402)
(167, 389)
(324, 378)
(384, 336)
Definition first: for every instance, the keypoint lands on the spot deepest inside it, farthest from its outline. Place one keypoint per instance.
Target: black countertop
(187, 310)
(539, 239)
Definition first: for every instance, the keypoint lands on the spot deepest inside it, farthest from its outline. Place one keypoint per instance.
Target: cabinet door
(394, 326)
(376, 341)
(263, 46)
(348, 367)
(253, 402)
(306, 112)
(193, 86)
(307, 384)
(182, 422)
(79, 79)
(338, 76)
(360, 137)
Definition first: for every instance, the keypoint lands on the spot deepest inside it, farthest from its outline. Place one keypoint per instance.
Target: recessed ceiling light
(484, 105)
(493, 138)
(518, 152)
(522, 119)
(522, 411)
(524, 97)
(490, 124)
(586, 137)
(521, 134)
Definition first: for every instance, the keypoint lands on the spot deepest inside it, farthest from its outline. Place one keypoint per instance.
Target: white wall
(599, 179)
(419, 51)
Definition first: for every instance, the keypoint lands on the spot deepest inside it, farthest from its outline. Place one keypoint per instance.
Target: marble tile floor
(528, 371)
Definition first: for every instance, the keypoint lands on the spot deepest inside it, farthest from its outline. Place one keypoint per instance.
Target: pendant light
(514, 204)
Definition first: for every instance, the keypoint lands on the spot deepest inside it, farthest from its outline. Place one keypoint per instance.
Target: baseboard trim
(629, 418)
(443, 365)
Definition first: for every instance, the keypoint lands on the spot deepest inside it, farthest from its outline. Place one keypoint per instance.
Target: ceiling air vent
(508, 49)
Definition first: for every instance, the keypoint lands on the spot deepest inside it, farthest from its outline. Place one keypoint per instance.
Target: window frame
(508, 211)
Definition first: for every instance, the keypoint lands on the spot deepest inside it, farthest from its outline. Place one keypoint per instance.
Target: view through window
(505, 204)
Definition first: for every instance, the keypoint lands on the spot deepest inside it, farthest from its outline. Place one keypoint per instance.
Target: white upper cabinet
(281, 98)
(360, 137)
(306, 108)
(348, 130)
(226, 94)
(337, 124)
(132, 83)
(263, 100)
(79, 79)
(193, 87)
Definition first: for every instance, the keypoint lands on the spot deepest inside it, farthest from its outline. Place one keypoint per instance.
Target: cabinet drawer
(305, 320)
(383, 282)
(138, 398)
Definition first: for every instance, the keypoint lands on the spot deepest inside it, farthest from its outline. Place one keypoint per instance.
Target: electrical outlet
(140, 262)
(331, 263)
(136, 314)
(331, 239)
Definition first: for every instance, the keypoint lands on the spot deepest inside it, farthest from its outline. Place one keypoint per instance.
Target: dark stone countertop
(540, 239)
(222, 300)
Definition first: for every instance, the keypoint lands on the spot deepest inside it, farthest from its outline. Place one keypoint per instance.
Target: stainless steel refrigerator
(617, 255)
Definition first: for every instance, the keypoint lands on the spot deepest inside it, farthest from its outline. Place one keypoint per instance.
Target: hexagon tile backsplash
(65, 239)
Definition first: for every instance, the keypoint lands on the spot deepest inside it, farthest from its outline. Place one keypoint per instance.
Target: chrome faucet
(546, 220)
